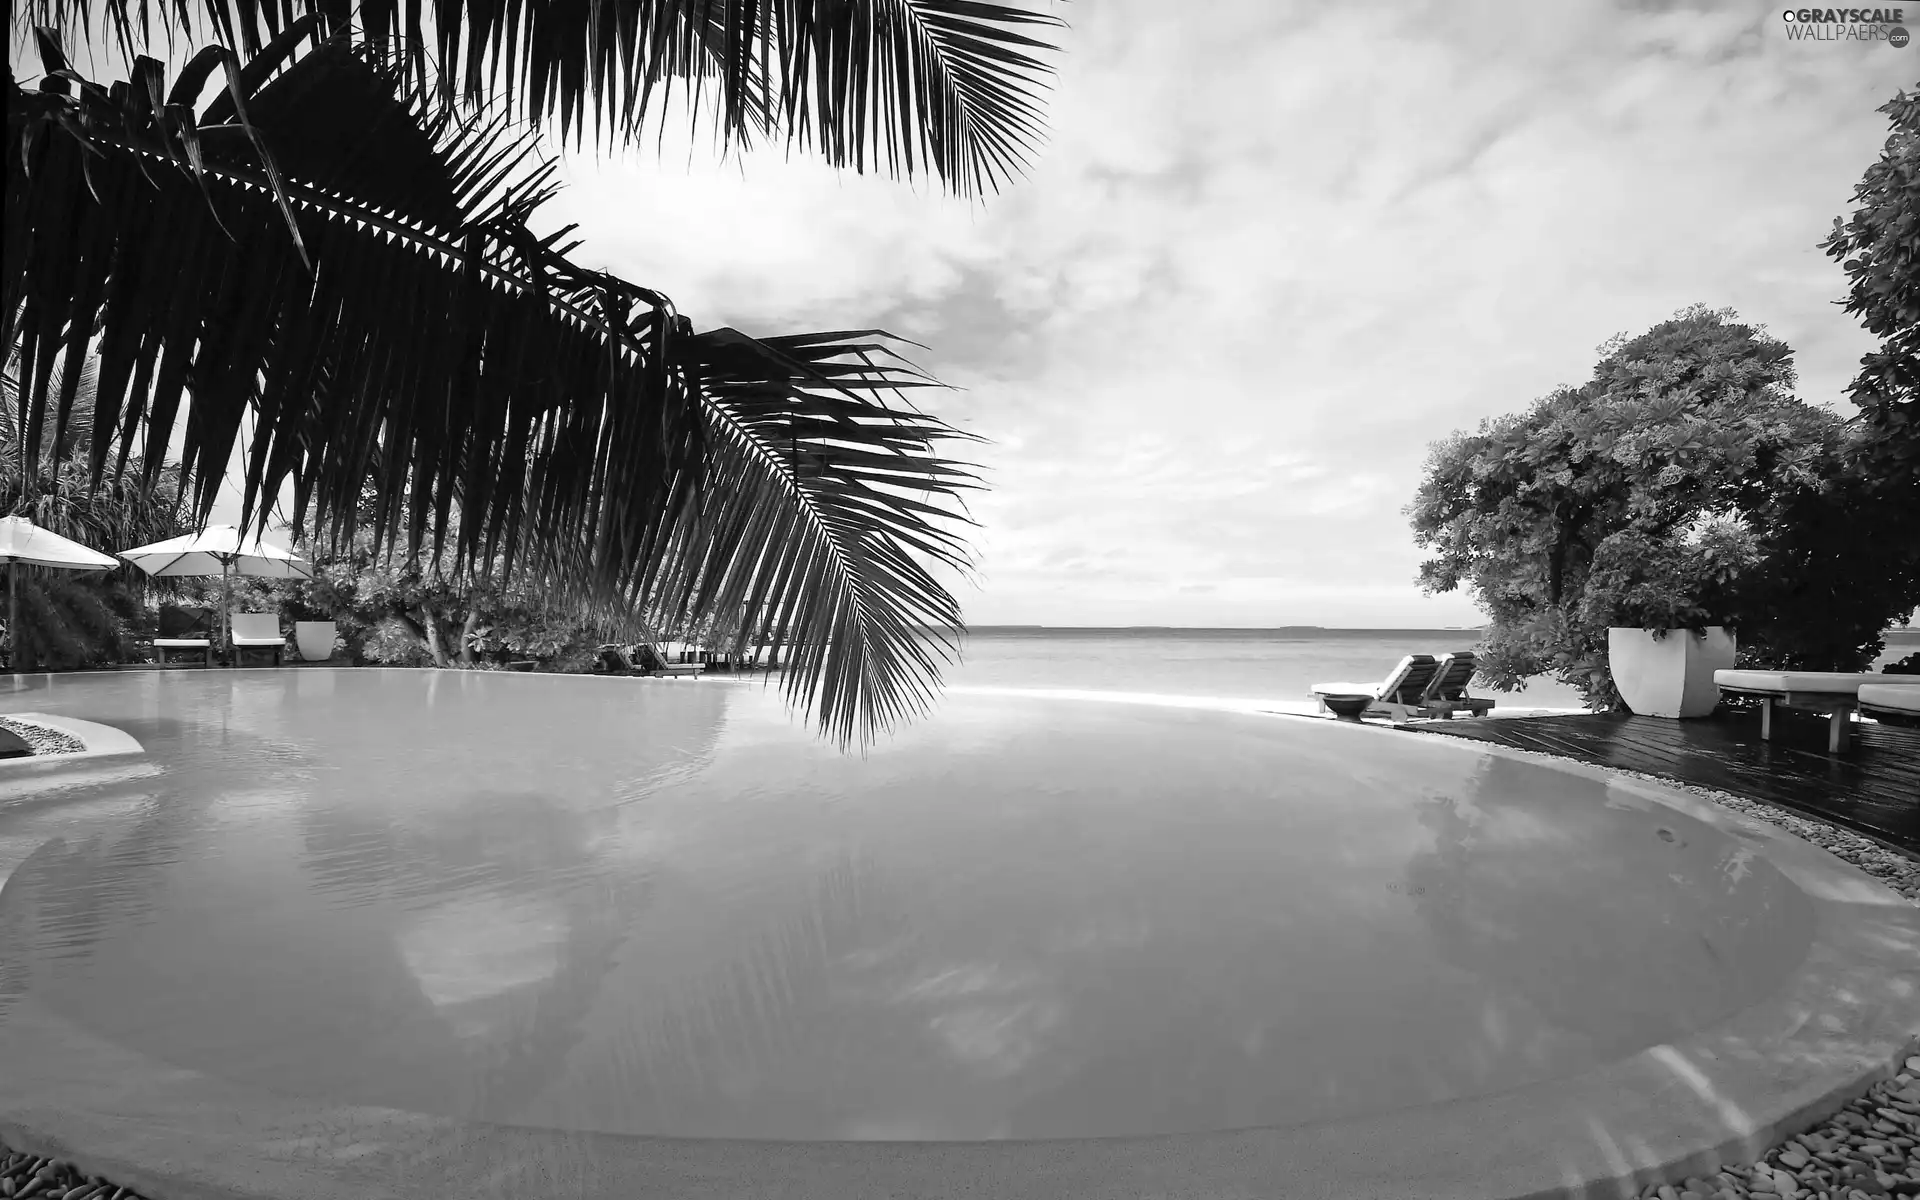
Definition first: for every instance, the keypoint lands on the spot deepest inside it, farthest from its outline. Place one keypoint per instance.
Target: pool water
(655, 907)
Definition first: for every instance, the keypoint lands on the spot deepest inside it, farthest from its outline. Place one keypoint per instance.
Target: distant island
(1217, 630)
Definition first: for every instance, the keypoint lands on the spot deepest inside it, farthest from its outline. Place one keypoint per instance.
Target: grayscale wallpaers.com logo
(1847, 25)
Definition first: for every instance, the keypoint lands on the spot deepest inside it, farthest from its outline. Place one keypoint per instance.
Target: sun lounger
(642, 659)
(1898, 701)
(1447, 694)
(258, 631)
(613, 660)
(655, 663)
(1836, 693)
(1397, 696)
(182, 629)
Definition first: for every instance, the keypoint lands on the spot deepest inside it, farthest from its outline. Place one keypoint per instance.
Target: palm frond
(950, 88)
(457, 384)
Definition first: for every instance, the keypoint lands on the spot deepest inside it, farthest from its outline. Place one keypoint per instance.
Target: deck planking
(1872, 788)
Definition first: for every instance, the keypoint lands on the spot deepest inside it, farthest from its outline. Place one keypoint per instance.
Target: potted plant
(312, 604)
(1670, 605)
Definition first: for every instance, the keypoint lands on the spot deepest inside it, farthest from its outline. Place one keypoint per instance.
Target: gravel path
(1866, 1151)
(42, 740)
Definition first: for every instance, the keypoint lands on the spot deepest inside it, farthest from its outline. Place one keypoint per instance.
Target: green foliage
(71, 619)
(1879, 248)
(423, 612)
(1682, 486)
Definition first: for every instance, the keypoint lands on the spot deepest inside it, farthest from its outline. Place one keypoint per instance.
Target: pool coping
(100, 740)
(1841, 1022)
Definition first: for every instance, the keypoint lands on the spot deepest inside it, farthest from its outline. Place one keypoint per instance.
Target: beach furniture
(183, 630)
(258, 632)
(655, 663)
(1397, 696)
(1835, 693)
(613, 660)
(641, 659)
(1896, 700)
(1447, 694)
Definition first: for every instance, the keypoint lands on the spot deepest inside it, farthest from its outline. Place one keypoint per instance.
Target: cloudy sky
(1266, 258)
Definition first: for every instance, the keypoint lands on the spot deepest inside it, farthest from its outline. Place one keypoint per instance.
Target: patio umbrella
(219, 550)
(21, 541)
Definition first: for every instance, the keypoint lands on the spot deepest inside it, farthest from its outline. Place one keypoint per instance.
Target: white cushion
(257, 629)
(1369, 690)
(183, 643)
(1835, 683)
(1901, 696)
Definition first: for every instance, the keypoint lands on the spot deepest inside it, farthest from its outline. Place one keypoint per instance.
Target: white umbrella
(219, 550)
(21, 541)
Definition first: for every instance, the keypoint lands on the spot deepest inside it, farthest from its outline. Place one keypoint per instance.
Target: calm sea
(1237, 664)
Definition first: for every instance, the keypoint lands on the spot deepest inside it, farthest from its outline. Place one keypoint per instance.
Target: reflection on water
(623, 906)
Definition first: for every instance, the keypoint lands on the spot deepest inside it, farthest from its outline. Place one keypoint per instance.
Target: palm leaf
(456, 385)
(949, 88)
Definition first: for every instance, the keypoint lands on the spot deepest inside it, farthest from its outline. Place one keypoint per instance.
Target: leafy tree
(339, 243)
(1654, 496)
(1879, 248)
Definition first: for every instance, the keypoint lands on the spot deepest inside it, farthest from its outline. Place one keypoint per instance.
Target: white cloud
(1267, 257)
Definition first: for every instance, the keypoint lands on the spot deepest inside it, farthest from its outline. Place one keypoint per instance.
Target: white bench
(1836, 693)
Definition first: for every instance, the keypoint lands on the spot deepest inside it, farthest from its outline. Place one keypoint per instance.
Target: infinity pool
(655, 907)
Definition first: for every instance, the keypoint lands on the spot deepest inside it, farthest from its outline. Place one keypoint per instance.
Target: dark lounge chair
(189, 630)
(642, 659)
(1447, 694)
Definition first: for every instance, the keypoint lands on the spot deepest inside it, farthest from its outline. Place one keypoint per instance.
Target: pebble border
(1869, 1150)
(41, 740)
(27, 1175)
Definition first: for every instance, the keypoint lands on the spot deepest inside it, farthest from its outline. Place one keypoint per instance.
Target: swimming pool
(659, 908)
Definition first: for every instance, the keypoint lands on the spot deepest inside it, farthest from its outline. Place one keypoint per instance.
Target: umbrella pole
(13, 615)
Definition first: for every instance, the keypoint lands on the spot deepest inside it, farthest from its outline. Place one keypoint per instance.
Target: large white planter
(315, 639)
(1670, 676)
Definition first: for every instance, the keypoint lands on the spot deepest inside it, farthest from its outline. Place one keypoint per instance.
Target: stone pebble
(32, 1177)
(1849, 1156)
(42, 740)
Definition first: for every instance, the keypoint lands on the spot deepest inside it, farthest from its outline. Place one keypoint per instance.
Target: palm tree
(338, 244)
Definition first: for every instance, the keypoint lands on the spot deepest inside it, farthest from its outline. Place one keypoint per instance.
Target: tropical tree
(339, 244)
(1879, 248)
(1684, 485)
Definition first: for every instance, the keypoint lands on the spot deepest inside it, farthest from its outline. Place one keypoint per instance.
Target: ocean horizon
(1279, 664)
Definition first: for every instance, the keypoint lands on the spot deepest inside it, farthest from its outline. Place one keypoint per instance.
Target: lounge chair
(1896, 702)
(1397, 696)
(655, 663)
(257, 631)
(642, 659)
(1447, 694)
(1836, 693)
(183, 629)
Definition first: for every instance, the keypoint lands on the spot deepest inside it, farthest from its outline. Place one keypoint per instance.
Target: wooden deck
(1874, 787)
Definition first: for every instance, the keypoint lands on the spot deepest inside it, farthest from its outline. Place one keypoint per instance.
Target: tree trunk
(436, 646)
(466, 633)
